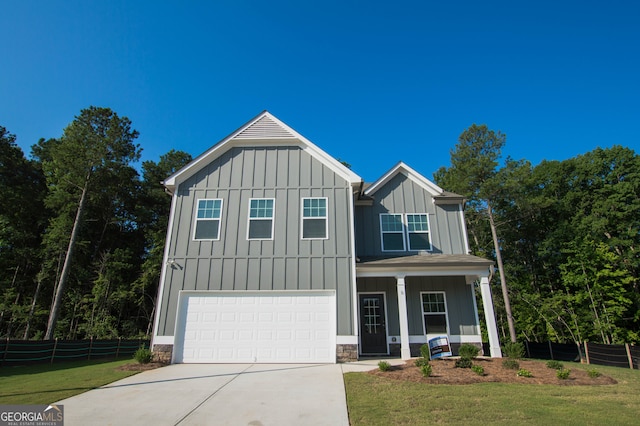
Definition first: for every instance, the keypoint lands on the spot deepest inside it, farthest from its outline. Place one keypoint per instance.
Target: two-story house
(277, 252)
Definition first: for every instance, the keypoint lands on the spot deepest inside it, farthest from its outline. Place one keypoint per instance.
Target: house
(277, 252)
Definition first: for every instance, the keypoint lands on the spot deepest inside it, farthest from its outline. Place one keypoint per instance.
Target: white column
(490, 318)
(405, 351)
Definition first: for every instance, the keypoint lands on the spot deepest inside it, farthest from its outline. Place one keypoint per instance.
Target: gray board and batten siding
(403, 195)
(286, 262)
(459, 299)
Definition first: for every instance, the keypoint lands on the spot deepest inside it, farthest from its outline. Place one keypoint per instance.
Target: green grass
(374, 400)
(44, 384)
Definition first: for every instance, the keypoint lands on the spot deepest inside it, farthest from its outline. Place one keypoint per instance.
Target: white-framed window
(208, 215)
(434, 312)
(260, 219)
(314, 218)
(405, 232)
(418, 234)
(392, 230)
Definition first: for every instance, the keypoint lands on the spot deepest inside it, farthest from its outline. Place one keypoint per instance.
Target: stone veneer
(346, 353)
(162, 353)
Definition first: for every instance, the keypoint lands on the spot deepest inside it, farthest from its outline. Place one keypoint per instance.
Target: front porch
(405, 301)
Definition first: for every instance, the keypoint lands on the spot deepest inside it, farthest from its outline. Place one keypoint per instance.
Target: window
(260, 219)
(434, 310)
(402, 232)
(418, 232)
(392, 232)
(208, 220)
(314, 218)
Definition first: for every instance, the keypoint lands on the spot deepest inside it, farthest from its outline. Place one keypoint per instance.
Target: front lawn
(45, 383)
(378, 400)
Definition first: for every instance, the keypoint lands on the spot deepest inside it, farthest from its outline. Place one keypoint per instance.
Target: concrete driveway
(217, 394)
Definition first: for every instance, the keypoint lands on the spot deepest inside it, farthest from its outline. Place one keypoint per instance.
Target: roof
(263, 130)
(401, 168)
(454, 264)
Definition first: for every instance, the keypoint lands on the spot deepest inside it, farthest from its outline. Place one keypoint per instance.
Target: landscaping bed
(445, 372)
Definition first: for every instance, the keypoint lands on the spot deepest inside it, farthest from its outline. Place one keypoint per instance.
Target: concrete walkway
(218, 394)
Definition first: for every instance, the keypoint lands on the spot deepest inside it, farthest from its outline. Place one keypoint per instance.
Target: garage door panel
(257, 328)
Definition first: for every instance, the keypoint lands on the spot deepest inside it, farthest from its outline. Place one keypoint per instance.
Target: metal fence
(625, 355)
(26, 352)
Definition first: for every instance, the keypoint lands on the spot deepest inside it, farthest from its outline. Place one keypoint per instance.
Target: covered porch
(404, 301)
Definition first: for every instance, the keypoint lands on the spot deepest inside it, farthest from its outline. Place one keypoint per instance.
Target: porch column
(490, 318)
(405, 351)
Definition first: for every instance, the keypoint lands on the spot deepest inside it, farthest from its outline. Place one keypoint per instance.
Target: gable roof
(402, 168)
(263, 130)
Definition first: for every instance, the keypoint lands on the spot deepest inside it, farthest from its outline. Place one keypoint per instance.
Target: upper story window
(418, 232)
(208, 215)
(434, 311)
(314, 218)
(260, 219)
(392, 232)
(402, 232)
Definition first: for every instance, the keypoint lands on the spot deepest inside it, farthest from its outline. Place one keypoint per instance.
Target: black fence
(27, 352)
(626, 355)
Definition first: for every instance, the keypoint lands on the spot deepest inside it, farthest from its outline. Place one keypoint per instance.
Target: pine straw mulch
(444, 372)
(135, 366)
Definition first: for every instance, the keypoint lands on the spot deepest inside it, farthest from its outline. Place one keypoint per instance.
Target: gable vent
(265, 128)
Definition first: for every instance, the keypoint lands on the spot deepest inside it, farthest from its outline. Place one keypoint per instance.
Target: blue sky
(371, 82)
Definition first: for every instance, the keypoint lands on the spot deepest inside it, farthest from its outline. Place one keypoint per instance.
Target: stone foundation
(346, 353)
(162, 353)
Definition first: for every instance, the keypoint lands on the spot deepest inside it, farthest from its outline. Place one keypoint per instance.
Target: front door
(373, 325)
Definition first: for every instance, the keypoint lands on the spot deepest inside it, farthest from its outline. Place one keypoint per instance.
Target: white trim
(417, 271)
(465, 236)
(326, 218)
(404, 242)
(163, 272)
(446, 314)
(386, 322)
(401, 167)
(196, 219)
(163, 340)
(346, 340)
(296, 139)
(354, 280)
(272, 219)
(475, 306)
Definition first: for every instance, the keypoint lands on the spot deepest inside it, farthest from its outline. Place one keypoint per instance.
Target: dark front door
(373, 324)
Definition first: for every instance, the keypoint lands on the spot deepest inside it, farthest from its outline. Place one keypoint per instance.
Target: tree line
(565, 236)
(81, 231)
(82, 234)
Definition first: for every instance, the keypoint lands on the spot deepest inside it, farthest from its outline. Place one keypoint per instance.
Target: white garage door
(266, 327)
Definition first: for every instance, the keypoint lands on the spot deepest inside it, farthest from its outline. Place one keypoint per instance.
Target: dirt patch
(445, 372)
(134, 366)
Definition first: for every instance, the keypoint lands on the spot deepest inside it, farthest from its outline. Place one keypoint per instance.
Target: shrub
(384, 366)
(467, 350)
(426, 370)
(511, 364)
(463, 363)
(524, 373)
(556, 365)
(143, 356)
(425, 352)
(421, 361)
(563, 374)
(593, 373)
(513, 350)
(478, 369)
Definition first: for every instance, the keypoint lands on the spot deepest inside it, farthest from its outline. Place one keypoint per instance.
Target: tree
(95, 147)
(473, 173)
